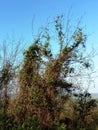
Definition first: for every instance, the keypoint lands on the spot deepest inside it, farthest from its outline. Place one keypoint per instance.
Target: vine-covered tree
(43, 77)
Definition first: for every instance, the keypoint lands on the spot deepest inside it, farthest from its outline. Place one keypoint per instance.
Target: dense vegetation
(46, 98)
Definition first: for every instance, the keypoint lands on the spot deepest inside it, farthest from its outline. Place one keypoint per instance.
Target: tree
(43, 77)
(84, 111)
(9, 68)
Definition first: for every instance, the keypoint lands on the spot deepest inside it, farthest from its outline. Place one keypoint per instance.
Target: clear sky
(16, 18)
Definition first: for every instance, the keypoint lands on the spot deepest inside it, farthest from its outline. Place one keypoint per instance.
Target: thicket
(46, 100)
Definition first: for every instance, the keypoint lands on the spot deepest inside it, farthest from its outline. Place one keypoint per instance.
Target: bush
(62, 127)
(5, 122)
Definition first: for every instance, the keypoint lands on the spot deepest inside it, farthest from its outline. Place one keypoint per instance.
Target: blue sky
(16, 18)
